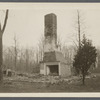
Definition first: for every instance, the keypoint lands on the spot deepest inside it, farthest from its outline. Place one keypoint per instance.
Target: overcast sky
(28, 22)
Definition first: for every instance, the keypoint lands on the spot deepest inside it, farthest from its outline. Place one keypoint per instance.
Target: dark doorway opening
(54, 70)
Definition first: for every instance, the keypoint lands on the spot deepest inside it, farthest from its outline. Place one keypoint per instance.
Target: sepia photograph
(49, 48)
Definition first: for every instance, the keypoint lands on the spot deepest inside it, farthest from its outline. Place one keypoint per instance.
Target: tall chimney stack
(50, 32)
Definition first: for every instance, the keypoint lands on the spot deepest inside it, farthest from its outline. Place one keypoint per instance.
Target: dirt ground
(25, 86)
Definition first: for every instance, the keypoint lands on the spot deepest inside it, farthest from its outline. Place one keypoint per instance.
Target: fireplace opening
(53, 70)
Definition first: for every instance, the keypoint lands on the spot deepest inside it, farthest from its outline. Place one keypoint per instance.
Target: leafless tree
(80, 27)
(78, 22)
(15, 51)
(27, 59)
(1, 47)
(59, 43)
(8, 57)
(41, 48)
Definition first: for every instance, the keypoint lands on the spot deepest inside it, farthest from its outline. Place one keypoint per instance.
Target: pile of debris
(19, 77)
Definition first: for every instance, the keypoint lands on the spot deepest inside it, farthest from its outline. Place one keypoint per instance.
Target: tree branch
(5, 21)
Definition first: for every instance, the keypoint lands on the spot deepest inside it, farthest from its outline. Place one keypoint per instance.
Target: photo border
(50, 98)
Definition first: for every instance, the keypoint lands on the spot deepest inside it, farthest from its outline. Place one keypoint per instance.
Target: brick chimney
(50, 32)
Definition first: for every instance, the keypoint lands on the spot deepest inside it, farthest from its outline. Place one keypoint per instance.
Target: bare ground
(19, 86)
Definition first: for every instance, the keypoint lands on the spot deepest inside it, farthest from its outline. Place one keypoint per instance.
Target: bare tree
(78, 22)
(1, 47)
(27, 59)
(8, 57)
(59, 43)
(80, 27)
(15, 51)
(41, 48)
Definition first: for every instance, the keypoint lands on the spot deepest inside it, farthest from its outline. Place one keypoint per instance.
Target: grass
(92, 85)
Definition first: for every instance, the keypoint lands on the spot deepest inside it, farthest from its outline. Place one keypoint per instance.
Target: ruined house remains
(53, 62)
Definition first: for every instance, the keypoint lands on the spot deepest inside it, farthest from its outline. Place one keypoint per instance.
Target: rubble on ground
(44, 79)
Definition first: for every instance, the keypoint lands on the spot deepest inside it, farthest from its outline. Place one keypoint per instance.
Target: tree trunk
(1, 59)
(79, 30)
(15, 63)
(1, 35)
(83, 77)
